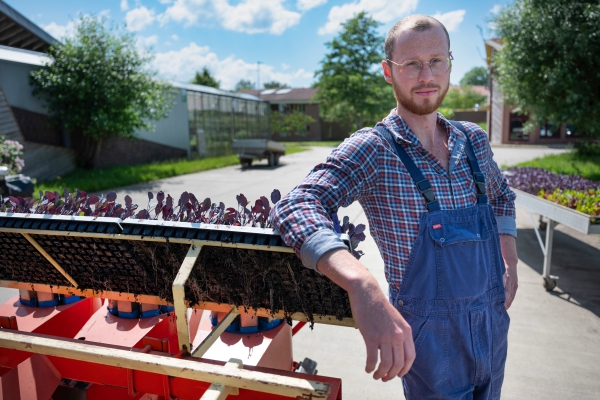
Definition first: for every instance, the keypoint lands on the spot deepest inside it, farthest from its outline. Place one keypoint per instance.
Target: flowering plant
(10, 152)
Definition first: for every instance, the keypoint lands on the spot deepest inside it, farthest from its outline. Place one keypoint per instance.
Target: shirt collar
(400, 130)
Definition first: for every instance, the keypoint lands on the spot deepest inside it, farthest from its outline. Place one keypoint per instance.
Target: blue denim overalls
(452, 296)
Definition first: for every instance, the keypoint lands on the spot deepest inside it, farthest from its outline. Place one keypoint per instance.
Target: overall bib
(452, 296)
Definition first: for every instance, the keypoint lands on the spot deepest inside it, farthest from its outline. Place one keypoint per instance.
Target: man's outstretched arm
(387, 336)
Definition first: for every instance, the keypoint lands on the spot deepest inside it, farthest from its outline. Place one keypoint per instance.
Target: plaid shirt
(365, 168)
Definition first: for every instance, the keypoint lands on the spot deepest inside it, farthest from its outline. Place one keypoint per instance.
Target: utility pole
(258, 76)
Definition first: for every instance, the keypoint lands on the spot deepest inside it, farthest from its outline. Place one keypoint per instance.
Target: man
(443, 218)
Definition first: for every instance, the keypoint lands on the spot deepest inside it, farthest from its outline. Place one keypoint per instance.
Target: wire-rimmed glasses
(412, 68)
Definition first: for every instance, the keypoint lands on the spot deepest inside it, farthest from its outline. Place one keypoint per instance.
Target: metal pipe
(170, 366)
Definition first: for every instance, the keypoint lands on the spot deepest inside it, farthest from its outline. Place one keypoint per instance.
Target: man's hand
(508, 246)
(386, 334)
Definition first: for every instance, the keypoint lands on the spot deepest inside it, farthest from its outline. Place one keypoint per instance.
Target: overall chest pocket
(446, 233)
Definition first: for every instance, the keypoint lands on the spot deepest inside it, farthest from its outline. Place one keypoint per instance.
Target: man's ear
(387, 73)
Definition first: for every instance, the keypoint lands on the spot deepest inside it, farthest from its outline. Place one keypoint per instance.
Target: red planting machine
(115, 336)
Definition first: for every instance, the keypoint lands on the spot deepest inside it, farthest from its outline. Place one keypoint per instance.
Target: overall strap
(423, 185)
(478, 176)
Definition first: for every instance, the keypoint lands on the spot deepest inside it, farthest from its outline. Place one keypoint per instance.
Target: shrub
(10, 155)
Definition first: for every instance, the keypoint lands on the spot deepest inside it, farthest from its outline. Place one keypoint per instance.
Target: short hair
(417, 22)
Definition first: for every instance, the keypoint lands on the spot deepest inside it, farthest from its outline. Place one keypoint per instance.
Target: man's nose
(426, 75)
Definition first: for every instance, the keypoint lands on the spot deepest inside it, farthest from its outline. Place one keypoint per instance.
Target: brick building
(505, 125)
(302, 99)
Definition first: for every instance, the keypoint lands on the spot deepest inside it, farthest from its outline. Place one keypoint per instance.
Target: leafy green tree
(476, 76)
(549, 63)
(290, 124)
(244, 84)
(465, 97)
(275, 85)
(350, 84)
(99, 84)
(205, 78)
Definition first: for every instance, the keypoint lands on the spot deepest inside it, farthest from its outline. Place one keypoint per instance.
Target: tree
(476, 76)
(99, 85)
(290, 124)
(351, 87)
(465, 97)
(275, 85)
(205, 78)
(548, 65)
(244, 84)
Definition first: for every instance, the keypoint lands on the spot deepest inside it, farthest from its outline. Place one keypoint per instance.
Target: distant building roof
(276, 96)
(23, 56)
(19, 32)
(492, 45)
(211, 90)
(480, 89)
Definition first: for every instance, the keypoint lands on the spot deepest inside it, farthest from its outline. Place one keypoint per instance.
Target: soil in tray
(264, 279)
(249, 278)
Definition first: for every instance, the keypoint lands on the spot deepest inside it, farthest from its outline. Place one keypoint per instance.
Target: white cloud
(249, 16)
(165, 1)
(451, 19)
(124, 5)
(285, 66)
(380, 10)
(181, 65)
(496, 9)
(60, 31)
(305, 5)
(174, 37)
(146, 41)
(139, 18)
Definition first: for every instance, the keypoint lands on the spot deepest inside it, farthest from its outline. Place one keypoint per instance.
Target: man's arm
(508, 245)
(384, 330)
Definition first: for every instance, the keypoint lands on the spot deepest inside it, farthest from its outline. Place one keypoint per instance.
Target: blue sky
(287, 37)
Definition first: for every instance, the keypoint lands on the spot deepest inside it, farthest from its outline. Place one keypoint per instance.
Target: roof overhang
(19, 32)
(491, 46)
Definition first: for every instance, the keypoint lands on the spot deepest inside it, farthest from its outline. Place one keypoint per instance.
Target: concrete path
(554, 338)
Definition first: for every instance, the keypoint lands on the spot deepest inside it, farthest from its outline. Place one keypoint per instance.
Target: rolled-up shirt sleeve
(501, 197)
(302, 216)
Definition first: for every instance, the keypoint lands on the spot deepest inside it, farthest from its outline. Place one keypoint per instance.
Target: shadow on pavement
(577, 264)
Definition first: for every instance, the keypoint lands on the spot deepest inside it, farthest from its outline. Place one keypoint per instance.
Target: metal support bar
(49, 258)
(218, 391)
(216, 332)
(537, 232)
(548, 252)
(179, 297)
(187, 369)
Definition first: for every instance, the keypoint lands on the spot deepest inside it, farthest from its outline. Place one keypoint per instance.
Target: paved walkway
(554, 338)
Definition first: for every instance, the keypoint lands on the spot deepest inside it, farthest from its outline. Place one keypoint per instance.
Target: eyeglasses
(412, 68)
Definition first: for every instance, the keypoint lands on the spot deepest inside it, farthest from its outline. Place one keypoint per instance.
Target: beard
(408, 103)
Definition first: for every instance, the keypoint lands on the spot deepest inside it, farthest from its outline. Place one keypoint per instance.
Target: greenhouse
(216, 117)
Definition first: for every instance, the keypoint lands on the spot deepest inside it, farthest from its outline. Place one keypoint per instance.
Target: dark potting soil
(242, 277)
(264, 279)
(21, 262)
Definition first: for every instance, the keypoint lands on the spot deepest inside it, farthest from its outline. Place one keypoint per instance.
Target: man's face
(423, 94)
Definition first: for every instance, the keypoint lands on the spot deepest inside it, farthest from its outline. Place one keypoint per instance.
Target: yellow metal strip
(169, 366)
(179, 297)
(215, 333)
(49, 258)
(116, 236)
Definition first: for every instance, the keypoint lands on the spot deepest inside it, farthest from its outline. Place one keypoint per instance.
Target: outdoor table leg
(549, 280)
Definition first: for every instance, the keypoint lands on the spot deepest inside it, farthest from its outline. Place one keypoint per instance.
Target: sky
(260, 40)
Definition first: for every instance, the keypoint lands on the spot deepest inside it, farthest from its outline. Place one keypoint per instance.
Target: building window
(549, 130)
(516, 128)
(572, 131)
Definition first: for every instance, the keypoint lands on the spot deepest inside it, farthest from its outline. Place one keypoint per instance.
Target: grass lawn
(568, 163)
(108, 178)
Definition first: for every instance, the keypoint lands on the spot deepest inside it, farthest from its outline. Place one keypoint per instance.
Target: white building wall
(14, 79)
(173, 130)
